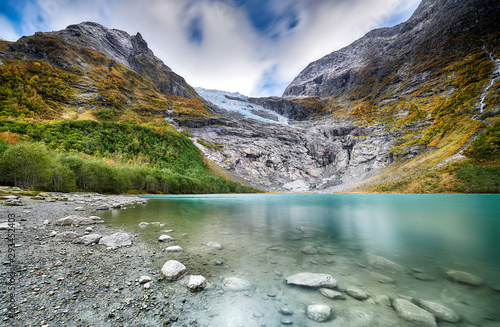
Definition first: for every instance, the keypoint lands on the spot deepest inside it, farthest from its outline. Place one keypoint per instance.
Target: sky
(255, 47)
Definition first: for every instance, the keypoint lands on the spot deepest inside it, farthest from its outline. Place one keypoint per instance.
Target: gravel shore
(56, 282)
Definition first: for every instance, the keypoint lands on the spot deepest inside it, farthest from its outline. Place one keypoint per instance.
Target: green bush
(486, 147)
(478, 179)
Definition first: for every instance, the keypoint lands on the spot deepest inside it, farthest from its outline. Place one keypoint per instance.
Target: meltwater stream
(266, 238)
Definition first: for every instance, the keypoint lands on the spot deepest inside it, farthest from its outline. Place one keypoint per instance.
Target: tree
(26, 165)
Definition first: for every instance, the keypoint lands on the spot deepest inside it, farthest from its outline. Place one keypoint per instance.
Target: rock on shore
(173, 270)
(116, 240)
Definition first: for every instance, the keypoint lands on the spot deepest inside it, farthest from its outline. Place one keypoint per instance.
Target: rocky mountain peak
(343, 71)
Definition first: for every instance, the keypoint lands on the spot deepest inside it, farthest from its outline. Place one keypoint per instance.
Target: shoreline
(56, 282)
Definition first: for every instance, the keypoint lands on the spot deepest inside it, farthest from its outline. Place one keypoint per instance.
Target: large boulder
(413, 314)
(116, 240)
(173, 270)
(312, 280)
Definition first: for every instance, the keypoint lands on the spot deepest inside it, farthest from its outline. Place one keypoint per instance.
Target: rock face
(318, 312)
(383, 51)
(312, 280)
(131, 51)
(413, 314)
(173, 270)
(463, 277)
(321, 155)
(116, 240)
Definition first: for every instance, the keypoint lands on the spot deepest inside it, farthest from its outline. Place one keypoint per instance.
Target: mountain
(105, 113)
(437, 34)
(409, 108)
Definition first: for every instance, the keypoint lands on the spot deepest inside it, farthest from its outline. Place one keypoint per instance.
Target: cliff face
(435, 31)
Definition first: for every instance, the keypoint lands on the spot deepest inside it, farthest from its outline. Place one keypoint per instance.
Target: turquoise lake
(268, 237)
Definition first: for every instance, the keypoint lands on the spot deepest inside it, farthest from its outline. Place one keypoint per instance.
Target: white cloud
(7, 30)
(232, 55)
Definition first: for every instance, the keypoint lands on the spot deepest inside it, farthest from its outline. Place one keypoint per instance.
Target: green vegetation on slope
(62, 168)
(118, 140)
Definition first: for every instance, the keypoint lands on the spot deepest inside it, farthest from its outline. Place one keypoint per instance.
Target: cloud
(7, 30)
(255, 47)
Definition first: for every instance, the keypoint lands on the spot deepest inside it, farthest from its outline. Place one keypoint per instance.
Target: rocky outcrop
(318, 155)
(296, 109)
(361, 67)
(117, 45)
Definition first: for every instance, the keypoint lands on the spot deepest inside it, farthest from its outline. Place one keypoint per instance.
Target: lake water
(268, 237)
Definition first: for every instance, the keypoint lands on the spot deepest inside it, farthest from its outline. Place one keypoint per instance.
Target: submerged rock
(383, 263)
(174, 248)
(309, 250)
(413, 314)
(235, 284)
(331, 294)
(381, 278)
(214, 245)
(422, 276)
(357, 293)
(197, 283)
(383, 300)
(440, 311)
(463, 277)
(318, 312)
(116, 240)
(165, 239)
(173, 270)
(312, 280)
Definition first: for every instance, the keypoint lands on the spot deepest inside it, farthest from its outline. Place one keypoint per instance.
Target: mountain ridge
(403, 124)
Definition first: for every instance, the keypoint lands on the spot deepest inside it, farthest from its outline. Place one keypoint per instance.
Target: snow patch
(236, 102)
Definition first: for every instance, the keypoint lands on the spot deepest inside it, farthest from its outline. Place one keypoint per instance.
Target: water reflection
(264, 238)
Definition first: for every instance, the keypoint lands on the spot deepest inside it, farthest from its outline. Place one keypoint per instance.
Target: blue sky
(255, 47)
